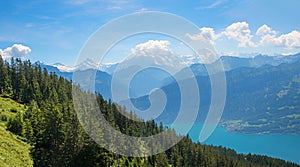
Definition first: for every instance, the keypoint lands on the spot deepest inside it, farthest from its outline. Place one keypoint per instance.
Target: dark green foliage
(16, 124)
(13, 110)
(3, 118)
(51, 126)
(5, 82)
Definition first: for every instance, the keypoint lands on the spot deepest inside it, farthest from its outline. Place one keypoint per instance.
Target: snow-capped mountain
(229, 62)
(88, 64)
(109, 67)
(63, 68)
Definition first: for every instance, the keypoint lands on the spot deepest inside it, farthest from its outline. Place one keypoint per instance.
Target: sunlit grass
(13, 151)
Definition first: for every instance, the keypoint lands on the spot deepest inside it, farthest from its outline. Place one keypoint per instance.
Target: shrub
(13, 110)
(16, 124)
(3, 118)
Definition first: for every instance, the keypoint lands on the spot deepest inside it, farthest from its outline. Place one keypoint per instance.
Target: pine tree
(16, 124)
(28, 131)
(5, 82)
(161, 160)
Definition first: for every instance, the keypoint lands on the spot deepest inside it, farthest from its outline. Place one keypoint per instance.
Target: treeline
(51, 126)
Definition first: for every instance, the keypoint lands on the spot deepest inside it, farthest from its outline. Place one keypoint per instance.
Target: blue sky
(55, 30)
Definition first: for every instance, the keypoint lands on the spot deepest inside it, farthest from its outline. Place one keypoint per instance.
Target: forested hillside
(50, 125)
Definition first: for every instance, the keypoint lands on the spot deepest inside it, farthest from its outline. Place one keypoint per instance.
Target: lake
(281, 146)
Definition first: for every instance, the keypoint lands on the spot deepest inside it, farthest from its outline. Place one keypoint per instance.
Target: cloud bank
(241, 33)
(268, 37)
(16, 50)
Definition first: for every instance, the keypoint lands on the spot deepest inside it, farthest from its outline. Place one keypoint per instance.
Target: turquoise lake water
(281, 146)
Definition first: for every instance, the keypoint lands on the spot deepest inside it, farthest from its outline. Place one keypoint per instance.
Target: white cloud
(152, 48)
(289, 40)
(78, 2)
(157, 53)
(142, 10)
(114, 8)
(267, 40)
(120, 4)
(17, 51)
(205, 33)
(240, 32)
(100, 4)
(265, 30)
(213, 5)
(268, 37)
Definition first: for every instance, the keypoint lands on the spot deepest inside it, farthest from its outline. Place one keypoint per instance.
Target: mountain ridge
(229, 62)
(160, 79)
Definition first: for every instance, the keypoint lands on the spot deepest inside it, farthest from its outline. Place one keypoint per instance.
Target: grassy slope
(13, 151)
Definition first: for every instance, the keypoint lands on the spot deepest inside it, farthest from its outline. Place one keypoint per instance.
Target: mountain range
(158, 78)
(229, 63)
(259, 100)
(263, 92)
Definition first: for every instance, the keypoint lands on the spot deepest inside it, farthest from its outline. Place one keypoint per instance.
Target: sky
(55, 30)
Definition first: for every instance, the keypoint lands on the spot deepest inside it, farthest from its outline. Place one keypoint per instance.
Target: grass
(13, 151)
(8, 108)
(7, 104)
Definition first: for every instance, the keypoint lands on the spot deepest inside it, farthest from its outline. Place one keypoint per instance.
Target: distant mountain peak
(87, 64)
(63, 68)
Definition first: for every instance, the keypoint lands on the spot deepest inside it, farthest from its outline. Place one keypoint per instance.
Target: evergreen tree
(5, 84)
(16, 124)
